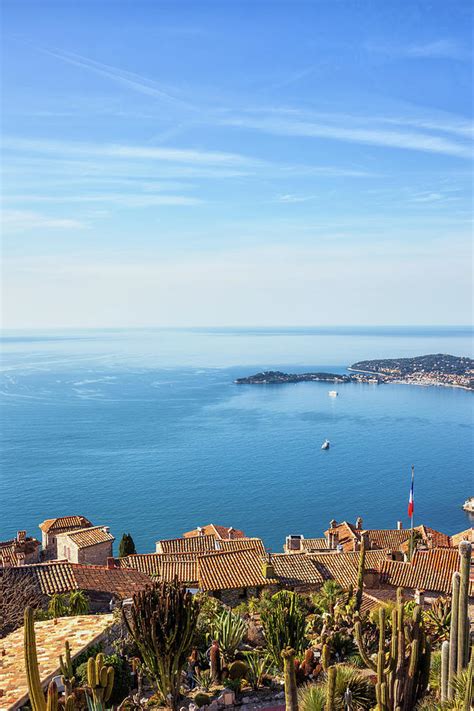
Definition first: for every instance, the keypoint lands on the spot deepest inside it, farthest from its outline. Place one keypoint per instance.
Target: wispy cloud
(289, 198)
(378, 136)
(19, 220)
(123, 200)
(444, 48)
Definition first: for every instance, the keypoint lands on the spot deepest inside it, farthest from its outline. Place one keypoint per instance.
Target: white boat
(333, 393)
(469, 505)
(325, 444)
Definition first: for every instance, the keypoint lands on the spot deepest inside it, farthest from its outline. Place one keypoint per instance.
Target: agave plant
(204, 679)
(311, 698)
(348, 677)
(438, 619)
(258, 667)
(229, 630)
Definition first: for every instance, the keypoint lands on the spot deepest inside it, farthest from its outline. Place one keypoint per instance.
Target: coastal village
(347, 573)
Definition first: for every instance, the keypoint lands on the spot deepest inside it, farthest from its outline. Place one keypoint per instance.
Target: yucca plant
(229, 630)
(348, 677)
(311, 698)
(204, 679)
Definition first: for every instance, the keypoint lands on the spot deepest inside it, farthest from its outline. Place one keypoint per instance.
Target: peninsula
(437, 369)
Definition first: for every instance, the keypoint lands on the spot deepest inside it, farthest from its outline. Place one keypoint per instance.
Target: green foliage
(78, 603)
(284, 625)
(347, 677)
(238, 670)
(312, 698)
(329, 595)
(258, 668)
(58, 606)
(126, 546)
(202, 699)
(204, 679)
(438, 620)
(100, 682)
(229, 630)
(162, 621)
(234, 685)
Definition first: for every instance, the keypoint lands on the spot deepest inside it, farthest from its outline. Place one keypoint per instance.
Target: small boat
(325, 444)
(469, 505)
(333, 393)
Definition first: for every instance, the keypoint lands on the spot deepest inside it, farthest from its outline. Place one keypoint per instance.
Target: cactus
(100, 680)
(215, 661)
(67, 674)
(468, 694)
(38, 702)
(308, 663)
(325, 657)
(291, 693)
(444, 670)
(52, 697)
(402, 668)
(238, 670)
(162, 622)
(458, 656)
(360, 575)
(284, 625)
(331, 689)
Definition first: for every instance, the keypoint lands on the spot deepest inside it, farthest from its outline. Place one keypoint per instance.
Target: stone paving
(81, 631)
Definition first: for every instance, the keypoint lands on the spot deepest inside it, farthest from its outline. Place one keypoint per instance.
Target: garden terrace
(81, 631)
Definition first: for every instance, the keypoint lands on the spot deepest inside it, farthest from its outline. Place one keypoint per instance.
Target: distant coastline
(428, 370)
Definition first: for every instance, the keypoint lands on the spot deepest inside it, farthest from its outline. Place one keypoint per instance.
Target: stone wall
(232, 598)
(95, 555)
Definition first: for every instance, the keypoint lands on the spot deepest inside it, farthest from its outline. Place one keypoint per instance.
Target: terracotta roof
(434, 538)
(374, 598)
(389, 538)
(386, 538)
(232, 570)
(197, 544)
(150, 563)
(12, 552)
(63, 577)
(467, 535)
(64, 522)
(87, 537)
(185, 571)
(347, 534)
(240, 544)
(314, 544)
(294, 569)
(81, 631)
(343, 567)
(430, 570)
(219, 532)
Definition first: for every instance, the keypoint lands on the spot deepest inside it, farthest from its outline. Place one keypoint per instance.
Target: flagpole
(412, 511)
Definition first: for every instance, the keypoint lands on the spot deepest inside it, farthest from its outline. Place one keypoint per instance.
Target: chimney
(419, 597)
(293, 542)
(110, 563)
(230, 532)
(268, 569)
(20, 559)
(333, 539)
(359, 523)
(20, 536)
(200, 531)
(399, 526)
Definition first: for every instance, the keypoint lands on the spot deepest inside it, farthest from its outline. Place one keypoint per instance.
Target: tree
(329, 595)
(126, 546)
(162, 622)
(18, 590)
(58, 606)
(78, 603)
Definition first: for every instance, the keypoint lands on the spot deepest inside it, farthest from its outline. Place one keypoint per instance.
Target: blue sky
(236, 163)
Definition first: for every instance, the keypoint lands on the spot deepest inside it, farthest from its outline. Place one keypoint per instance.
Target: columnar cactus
(360, 575)
(331, 689)
(291, 693)
(215, 661)
(100, 680)
(444, 670)
(458, 657)
(52, 697)
(67, 674)
(325, 657)
(402, 667)
(37, 700)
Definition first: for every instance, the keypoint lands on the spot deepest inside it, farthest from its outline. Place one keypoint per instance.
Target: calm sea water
(146, 432)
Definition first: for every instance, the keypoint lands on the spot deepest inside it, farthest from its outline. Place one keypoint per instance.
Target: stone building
(52, 527)
(21, 550)
(221, 533)
(89, 546)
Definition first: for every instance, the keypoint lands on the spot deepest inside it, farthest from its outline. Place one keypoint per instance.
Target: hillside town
(78, 590)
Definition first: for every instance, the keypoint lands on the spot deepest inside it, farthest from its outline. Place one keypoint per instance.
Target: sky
(236, 163)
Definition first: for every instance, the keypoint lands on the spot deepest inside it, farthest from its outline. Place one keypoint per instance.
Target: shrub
(238, 670)
(202, 699)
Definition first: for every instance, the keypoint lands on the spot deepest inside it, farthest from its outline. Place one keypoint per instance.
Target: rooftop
(219, 532)
(81, 631)
(87, 537)
(232, 570)
(430, 570)
(63, 523)
(196, 544)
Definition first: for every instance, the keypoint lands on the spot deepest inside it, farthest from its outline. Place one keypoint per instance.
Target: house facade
(89, 546)
(52, 527)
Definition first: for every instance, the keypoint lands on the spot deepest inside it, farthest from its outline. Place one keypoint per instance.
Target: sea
(145, 431)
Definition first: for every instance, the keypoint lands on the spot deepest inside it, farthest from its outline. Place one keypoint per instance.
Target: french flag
(411, 504)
